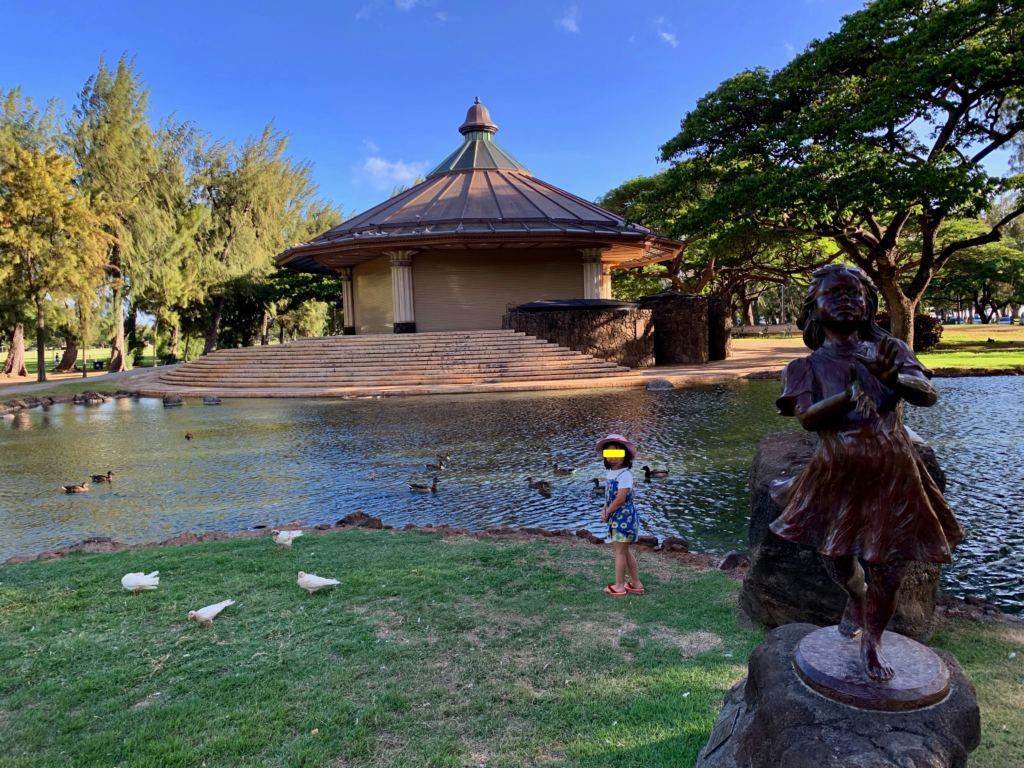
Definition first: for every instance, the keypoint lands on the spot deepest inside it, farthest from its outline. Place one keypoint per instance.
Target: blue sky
(374, 91)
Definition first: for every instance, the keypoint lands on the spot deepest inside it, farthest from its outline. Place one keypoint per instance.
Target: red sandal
(634, 590)
(610, 590)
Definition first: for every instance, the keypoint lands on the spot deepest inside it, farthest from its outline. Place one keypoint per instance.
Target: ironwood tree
(883, 127)
(136, 168)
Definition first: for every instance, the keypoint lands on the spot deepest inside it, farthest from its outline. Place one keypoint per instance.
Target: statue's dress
(865, 491)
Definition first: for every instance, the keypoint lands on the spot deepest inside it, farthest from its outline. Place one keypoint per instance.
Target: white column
(401, 291)
(592, 278)
(348, 305)
(606, 284)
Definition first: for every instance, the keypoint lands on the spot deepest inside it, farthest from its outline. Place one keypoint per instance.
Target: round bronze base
(831, 665)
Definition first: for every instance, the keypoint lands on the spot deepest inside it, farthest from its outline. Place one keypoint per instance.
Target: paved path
(750, 356)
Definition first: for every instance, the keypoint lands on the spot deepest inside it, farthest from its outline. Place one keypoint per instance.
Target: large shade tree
(882, 128)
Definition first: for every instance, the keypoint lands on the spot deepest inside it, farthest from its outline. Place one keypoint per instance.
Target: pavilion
(478, 234)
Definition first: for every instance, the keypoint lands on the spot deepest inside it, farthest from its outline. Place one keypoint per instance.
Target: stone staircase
(383, 363)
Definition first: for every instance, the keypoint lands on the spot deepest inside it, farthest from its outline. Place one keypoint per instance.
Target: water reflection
(269, 461)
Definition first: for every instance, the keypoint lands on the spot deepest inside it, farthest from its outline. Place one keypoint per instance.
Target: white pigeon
(285, 538)
(206, 615)
(136, 581)
(311, 582)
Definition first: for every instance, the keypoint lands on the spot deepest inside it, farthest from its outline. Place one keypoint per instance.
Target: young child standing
(620, 512)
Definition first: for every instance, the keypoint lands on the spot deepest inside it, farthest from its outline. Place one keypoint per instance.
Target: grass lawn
(432, 652)
(99, 353)
(968, 346)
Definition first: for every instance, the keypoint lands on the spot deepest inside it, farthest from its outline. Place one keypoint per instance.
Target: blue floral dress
(624, 524)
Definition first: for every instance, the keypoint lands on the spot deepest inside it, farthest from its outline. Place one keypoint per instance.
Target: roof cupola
(478, 152)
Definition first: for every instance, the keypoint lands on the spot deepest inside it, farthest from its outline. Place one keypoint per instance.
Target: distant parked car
(955, 321)
(1006, 321)
(977, 319)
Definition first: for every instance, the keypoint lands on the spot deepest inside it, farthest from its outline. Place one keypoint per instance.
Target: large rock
(787, 583)
(361, 520)
(775, 720)
(172, 401)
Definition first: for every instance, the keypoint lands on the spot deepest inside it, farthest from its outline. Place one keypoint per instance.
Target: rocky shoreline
(89, 397)
(733, 564)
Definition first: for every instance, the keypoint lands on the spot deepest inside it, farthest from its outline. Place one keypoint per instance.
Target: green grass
(99, 353)
(432, 652)
(1010, 358)
(75, 386)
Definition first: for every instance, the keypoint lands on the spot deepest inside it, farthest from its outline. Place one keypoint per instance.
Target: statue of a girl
(865, 499)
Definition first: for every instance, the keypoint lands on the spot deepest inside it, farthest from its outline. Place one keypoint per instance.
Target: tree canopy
(878, 131)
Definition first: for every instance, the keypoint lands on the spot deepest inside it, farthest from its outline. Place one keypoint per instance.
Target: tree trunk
(175, 330)
(747, 308)
(40, 340)
(1015, 313)
(281, 338)
(213, 333)
(85, 367)
(69, 359)
(117, 358)
(264, 330)
(188, 338)
(156, 337)
(901, 311)
(14, 365)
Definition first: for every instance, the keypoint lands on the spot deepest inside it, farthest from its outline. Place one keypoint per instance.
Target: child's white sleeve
(626, 480)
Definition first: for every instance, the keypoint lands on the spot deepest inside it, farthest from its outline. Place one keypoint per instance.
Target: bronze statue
(865, 499)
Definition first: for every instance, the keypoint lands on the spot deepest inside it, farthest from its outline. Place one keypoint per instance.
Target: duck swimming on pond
(598, 488)
(107, 478)
(649, 473)
(84, 487)
(563, 470)
(188, 435)
(439, 467)
(423, 487)
(544, 491)
(538, 483)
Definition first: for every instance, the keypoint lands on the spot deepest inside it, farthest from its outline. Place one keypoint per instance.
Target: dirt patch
(688, 643)
(603, 633)
(659, 566)
(144, 702)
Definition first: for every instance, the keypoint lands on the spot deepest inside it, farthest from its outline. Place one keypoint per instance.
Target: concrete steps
(379, 361)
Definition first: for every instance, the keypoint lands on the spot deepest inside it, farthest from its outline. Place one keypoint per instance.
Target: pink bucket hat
(616, 439)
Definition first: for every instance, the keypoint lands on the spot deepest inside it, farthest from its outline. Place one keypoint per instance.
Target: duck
(107, 478)
(598, 488)
(372, 476)
(649, 473)
(423, 487)
(538, 483)
(439, 467)
(444, 457)
(188, 435)
(76, 488)
(563, 470)
(544, 491)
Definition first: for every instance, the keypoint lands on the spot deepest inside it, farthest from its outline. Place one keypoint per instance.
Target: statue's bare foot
(850, 625)
(874, 662)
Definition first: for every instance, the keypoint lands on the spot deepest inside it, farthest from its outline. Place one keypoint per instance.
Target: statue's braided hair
(808, 322)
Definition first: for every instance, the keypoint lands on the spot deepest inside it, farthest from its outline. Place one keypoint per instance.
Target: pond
(262, 462)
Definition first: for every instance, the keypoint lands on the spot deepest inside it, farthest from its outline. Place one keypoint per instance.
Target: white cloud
(789, 49)
(632, 38)
(373, 148)
(669, 37)
(365, 11)
(405, 5)
(384, 175)
(570, 20)
(441, 16)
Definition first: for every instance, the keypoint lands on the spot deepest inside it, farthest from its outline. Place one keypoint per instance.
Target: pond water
(272, 461)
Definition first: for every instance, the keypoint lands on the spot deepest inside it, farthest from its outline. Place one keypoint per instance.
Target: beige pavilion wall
(371, 290)
(468, 290)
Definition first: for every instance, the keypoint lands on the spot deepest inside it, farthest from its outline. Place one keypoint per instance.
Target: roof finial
(477, 119)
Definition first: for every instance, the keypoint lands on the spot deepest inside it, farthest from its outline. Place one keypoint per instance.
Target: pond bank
(434, 650)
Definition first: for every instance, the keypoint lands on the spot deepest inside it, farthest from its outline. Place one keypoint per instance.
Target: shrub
(927, 330)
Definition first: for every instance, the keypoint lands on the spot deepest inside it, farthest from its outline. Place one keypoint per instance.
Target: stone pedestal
(787, 582)
(772, 719)
(680, 327)
(719, 329)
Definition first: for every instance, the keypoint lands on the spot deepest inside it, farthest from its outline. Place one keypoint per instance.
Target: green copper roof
(478, 150)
